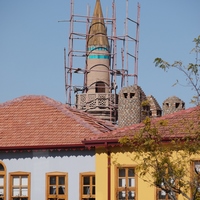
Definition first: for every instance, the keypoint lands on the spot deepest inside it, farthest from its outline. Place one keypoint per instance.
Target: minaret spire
(97, 32)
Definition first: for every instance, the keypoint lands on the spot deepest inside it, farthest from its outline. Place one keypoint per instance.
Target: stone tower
(155, 109)
(97, 98)
(173, 104)
(133, 106)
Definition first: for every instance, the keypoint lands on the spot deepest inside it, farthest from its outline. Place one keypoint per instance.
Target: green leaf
(161, 64)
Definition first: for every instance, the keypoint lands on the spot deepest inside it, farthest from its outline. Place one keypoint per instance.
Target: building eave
(44, 147)
(101, 143)
(115, 142)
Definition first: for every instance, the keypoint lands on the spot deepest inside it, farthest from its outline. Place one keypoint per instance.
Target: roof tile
(178, 124)
(39, 121)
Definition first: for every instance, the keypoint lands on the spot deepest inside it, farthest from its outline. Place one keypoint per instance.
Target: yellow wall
(144, 190)
(101, 175)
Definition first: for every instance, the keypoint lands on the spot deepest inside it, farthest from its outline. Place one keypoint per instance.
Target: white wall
(40, 162)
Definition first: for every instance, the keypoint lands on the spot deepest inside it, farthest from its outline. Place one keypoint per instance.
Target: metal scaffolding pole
(117, 69)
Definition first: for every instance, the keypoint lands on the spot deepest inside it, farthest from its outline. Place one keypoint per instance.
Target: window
(125, 95)
(87, 186)
(132, 95)
(177, 105)
(20, 186)
(167, 104)
(126, 183)
(169, 184)
(159, 113)
(195, 179)
(57, 186)
(100, 87)
(161, 194)
(2, 181)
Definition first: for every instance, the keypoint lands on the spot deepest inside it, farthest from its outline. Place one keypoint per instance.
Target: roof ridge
(17, 99)
(66, 109)
(69, 111)
(177, 113)
(97, 121)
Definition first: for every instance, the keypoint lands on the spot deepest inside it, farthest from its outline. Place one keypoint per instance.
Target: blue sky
(32, 42)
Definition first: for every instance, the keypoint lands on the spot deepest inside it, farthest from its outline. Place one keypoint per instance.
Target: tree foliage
(191, 71)
(165, 162)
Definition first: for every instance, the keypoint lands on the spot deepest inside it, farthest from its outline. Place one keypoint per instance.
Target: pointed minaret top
(97, 32)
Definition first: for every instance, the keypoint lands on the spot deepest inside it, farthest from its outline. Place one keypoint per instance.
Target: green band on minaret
(92, 50)
(98, 57)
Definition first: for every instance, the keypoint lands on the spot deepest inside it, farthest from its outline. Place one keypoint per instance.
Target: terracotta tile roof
(178, 124)
(32, 121)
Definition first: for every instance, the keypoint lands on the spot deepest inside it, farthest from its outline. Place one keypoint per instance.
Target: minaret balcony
(96, 101)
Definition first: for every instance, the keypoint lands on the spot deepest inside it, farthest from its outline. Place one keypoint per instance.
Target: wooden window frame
(91, 175)
(158, 190)
(3, 187)
(11, 186)
(55, 196)
(195, 175)
(126, 189)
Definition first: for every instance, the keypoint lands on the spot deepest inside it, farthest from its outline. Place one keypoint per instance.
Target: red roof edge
(115, 142)
(96, 143)
(87, 144)
(43, 147)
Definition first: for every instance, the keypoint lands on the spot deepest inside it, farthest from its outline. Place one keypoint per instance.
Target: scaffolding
(75, 59)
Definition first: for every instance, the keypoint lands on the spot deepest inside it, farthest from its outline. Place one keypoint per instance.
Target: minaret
(97, 98)
(98, 77)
